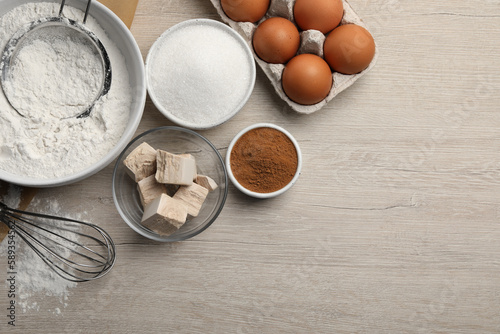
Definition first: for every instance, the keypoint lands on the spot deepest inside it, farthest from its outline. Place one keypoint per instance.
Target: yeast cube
(174, 169)
(193, 197)
(164, 215)
(141, 162)
(149, 189)
(206, 182)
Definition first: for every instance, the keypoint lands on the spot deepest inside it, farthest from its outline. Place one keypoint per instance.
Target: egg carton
(311, 41)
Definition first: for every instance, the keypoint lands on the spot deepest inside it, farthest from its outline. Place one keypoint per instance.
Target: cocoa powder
(264, 160)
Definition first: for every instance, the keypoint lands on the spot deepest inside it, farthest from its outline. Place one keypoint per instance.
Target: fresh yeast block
(175, 169)
(164, 215)
(193, 197)
(149, 189)
(141, 162)
(206, 182)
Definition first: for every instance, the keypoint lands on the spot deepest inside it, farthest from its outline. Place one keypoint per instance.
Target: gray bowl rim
(108, 158)
(120, 158)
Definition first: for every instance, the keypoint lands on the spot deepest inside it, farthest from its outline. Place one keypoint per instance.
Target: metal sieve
(14, 45)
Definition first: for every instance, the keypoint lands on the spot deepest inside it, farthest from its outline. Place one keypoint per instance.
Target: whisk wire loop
(76, 251)
(59, 256)
(69, 241)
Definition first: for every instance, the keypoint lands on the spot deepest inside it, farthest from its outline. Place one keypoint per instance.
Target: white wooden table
(393, 226)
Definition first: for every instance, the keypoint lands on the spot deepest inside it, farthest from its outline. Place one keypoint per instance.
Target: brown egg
(307, 79)
(245, 10)
(349, 49)
(322, 15)
(276, 40)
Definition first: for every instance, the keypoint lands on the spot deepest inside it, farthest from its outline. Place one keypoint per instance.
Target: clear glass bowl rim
(169, 238)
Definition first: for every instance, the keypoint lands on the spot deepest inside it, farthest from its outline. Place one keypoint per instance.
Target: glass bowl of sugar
(129, 194)
(200, 73)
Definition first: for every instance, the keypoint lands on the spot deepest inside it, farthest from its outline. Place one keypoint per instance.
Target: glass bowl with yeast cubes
(263, 160)
(169, 184)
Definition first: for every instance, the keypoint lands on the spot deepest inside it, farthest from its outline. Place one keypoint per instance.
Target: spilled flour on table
(35, 281)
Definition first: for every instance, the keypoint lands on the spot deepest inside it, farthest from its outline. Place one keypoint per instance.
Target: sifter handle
(86, 10)
(62, 6)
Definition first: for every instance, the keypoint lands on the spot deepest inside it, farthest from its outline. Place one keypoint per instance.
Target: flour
(34, 277)
(35, 281)
(57, 73)
(41, 145)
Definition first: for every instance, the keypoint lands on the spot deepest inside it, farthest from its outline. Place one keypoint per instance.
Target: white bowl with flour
(40, 150)
(200, 73)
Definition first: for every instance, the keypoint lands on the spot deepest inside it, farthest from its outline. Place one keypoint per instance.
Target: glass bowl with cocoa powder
(263, 160)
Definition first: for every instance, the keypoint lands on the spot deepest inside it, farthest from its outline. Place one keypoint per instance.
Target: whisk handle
(3, 208)
(4, 216)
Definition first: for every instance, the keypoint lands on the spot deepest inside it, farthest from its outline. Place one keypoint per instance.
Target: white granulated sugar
(199, 74)
(42, 145)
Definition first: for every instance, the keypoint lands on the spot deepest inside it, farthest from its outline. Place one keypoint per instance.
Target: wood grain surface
(393, 226)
